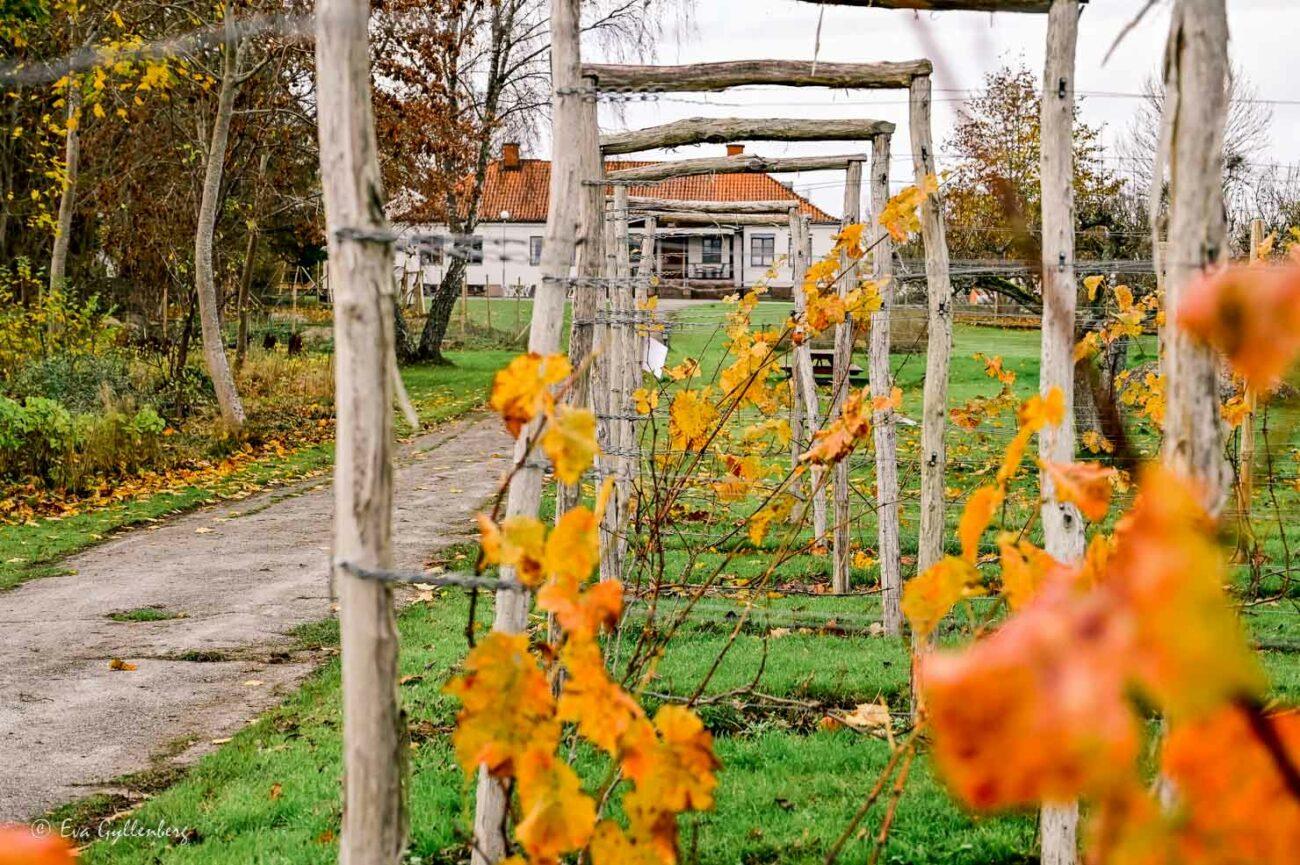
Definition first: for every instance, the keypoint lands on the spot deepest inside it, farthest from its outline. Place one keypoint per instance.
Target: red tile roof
(525, 192)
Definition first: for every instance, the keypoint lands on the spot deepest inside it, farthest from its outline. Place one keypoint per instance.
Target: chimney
(510, 160)
(735, 150)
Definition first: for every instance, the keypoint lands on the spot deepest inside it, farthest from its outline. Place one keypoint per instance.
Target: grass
(36, 549)
(271, 795)
(145, 614)
(787, 788)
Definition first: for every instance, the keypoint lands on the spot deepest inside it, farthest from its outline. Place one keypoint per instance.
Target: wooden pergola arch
(913, 76)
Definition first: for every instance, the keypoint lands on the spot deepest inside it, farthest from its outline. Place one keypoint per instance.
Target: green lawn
(787, 787)
(439, 394)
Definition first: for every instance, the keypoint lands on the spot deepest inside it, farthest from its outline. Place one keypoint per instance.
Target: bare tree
(1246, 136)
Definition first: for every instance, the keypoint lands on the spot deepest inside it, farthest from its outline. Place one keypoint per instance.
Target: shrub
(54, 323)
(41, 439)
(77, 381)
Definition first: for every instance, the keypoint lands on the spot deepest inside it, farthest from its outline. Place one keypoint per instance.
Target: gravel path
(240, 576)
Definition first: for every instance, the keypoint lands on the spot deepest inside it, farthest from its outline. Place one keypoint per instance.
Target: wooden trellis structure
(374, 818)
(913, 76)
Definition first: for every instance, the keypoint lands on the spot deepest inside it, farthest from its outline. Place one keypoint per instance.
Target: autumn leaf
(1251, 315)
(688, 368)
(928, 597)
(521, 391)
(775, 510)
(120, 665)
(893, 402)
(1233, 803)
(23, 845)
(573, 548)
(1035, 712)
(1085, 485)
(610, 845)
(975, 519)
(506, 705)
(645, 399)
(691, 419)
(570, 442)
(603, 711)
(519, 542)
(1091, 284)
(1190, 651)
(838, 439)
(1025, 568)
(558, 817)
(1041, 411)
(582, 612)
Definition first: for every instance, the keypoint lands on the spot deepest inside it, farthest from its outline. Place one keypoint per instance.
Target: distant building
(700, 261)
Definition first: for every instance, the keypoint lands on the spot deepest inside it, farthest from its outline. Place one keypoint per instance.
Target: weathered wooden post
(938, 357)
(562, 226)
(590, 263)
(374, 735)
(842, 532)
(1246, 483)
(1195, 114)
(1062, 522)
(882, 382)
(798, 268)
(804, 385)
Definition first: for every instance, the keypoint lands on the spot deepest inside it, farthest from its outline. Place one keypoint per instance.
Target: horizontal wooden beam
(720, 219)
(706, 130)
(946, 5)
(673, 205)
(746, 164)
(702, 77)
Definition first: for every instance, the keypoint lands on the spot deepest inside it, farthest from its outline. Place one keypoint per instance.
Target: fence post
(562, 226)
(374, 735)
(938, 354)
(1062, 522)
(886, 436)
(1195, 113)
(842, 534)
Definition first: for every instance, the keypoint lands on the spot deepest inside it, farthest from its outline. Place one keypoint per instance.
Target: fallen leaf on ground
(119, 664)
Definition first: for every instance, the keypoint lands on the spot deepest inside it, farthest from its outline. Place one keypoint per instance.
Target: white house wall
(507, 260)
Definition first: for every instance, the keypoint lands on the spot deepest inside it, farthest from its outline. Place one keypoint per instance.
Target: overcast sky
(964, 46)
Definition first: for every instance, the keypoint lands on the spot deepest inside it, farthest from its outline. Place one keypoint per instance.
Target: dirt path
(242, 576)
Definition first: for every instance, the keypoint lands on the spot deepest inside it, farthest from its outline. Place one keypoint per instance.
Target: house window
(473, 250)
(534, 250)
(431, 252)
(712, 250)
(762, 250)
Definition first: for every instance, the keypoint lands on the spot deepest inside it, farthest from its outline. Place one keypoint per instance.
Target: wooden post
(606, 380)
(798, 268)
(1062, 522)
(882, 382)
(624, 376)
(1196, 107)
(714, 130)
(590, 265)
(841, 534)
(938, 356)
(1247, 481)
(802, 369)
(562, 226)
(374, 734)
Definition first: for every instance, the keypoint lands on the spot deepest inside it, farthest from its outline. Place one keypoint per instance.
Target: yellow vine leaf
(691, 420)
(506, 706)
(570, 442)
(979, 512)
(1085, 485)
(928, 597)
(521, 391)
(645, 399)
(518, 542)
(558, 817)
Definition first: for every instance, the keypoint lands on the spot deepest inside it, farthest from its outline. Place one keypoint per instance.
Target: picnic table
(823, 364)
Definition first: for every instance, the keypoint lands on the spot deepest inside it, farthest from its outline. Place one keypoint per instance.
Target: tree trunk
(1196, 107)
(1062, 522)
(67, 199)
(214, 350)
(444, 301)
(562, 227)
(882, 383)
(374, 738)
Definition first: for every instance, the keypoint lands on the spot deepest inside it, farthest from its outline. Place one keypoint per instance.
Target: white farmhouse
(708, 261)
